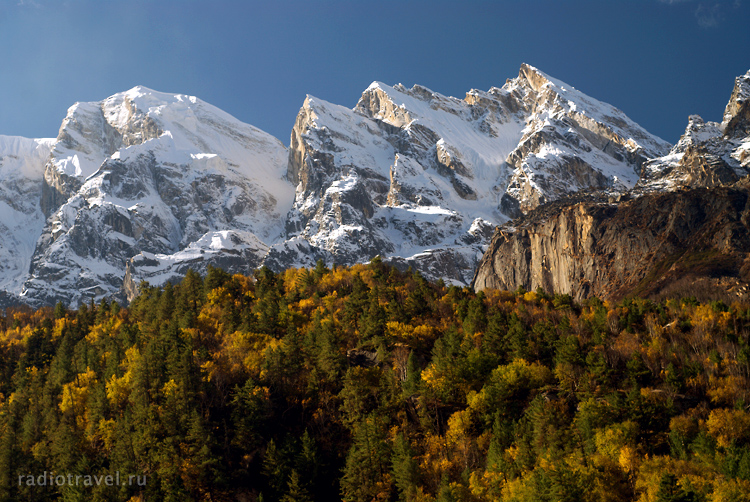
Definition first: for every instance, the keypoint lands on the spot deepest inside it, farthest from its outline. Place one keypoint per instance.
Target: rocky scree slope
(684, 231)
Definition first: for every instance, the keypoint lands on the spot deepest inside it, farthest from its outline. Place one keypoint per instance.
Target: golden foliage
(728, 426)
(731, 490)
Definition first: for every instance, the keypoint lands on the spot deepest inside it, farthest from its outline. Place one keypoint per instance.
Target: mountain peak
(737, 111)
(538, 80)
(165, 181)
(376, 84)
(533, 76)
(140, 91)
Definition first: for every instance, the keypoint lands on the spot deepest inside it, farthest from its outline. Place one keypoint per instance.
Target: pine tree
(476, 317)
(516, 339)
(275, 470)
(418, 301)
(493, 342)
(445, 491)
(268, 305)
(670, 490)
(60, 310)
(413, 376)
(376, 318)
(189, 299)
(308, 461)
(367, 462)
(404, 468)
(356, 303)
(330, 361)
(216, 278)
(320, 270)
(296, 491)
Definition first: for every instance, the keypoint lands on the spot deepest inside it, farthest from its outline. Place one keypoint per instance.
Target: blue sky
(657, 60)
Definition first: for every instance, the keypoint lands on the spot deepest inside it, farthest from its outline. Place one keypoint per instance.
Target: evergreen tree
(275, 470)
(60, 310)
(308, 461)
(476, 316)
(189, 298)
(515, 338)
(320, 270)
(295, 491)
(404, 468)
(376, 318)
(356, 303)
(418, 302)
(367, 463)
(670, 491)
(216, 278)
(413, 376)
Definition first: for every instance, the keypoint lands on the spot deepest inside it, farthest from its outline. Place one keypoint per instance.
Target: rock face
(686, 223)
(144, 185)
(157, 176)
(708, 153)
(21, 218)
(641, 246)
(735, 121)
(572, 142)
(422, 178)
(234, 251)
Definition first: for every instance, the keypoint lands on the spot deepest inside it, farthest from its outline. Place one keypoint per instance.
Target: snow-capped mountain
(144, 185)
(708, 153)
(683, 230)
(21, 219)
(423, 178)
(153, 173)
(572, 142)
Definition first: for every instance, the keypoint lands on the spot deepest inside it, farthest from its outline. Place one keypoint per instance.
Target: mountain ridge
(143, 185)
(681, 231)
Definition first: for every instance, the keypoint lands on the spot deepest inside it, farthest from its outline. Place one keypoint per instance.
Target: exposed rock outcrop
(233, 251)
(407, 172)
(642, 246)
(682, 230)
(736, 110)
(704, 157)
(151, 174)
(708, 153)
(572, 142)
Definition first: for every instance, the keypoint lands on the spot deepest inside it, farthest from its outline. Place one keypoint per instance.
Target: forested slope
(365, 383)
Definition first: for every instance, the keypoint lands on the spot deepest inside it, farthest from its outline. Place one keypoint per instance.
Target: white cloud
(708, 16)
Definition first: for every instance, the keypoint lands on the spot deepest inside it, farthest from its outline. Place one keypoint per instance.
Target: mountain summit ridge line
(144, 185)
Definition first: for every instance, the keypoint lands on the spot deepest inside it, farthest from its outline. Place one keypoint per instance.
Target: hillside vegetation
(365, 383)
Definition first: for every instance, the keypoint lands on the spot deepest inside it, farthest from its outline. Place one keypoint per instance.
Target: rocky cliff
(708, 153)
(658, 244)
(422, 179)
(144, 185)
(683, 229)
(145, 177)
